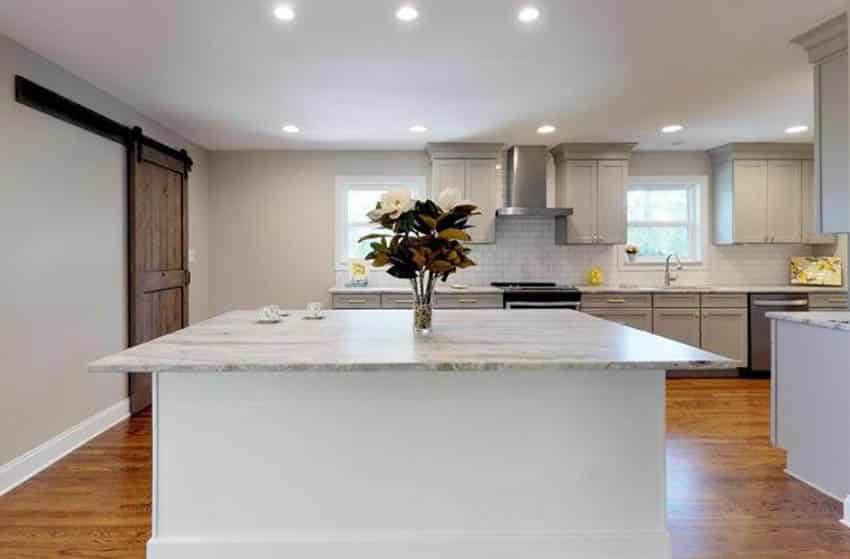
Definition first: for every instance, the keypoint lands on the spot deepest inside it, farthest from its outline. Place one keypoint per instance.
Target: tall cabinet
(591, 179)
(758, 193)
(827, 48)
(473, 169)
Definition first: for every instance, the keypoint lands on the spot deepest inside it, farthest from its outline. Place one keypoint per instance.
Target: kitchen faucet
(668, 277)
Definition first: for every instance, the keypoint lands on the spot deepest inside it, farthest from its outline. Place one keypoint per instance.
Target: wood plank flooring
(728, 496)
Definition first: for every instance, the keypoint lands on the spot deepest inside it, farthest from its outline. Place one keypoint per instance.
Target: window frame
(697, 187)
(348, 183)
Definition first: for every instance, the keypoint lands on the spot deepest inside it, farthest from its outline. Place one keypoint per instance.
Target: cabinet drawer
(397, 300)
(469, 301)
(357, 301)
(682, 325)
(637, 318)
(616, 300)
(724, 300)
(676, 300)
(836, 301)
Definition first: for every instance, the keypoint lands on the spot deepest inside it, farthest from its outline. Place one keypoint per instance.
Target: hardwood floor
(727, 494)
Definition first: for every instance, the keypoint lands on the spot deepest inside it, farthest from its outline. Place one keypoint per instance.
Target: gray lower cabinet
(828, 301)
(682, 325)
(468, 301)
(636, 318)
(724, 332)
(357, 301)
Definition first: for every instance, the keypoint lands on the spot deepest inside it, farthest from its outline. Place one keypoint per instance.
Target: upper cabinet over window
(472, 169)
(591, 179)
(758, 192)
(827, 48)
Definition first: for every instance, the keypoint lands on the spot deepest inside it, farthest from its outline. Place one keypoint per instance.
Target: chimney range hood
(525, 189)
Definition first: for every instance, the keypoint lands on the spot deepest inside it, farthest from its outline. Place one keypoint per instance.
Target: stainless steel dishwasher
(760, 305)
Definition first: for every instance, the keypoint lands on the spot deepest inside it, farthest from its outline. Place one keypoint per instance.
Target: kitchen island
(503, 434)
(810, 396)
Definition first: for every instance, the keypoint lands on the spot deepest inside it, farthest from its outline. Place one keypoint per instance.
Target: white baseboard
(24, 467)
(814, 486)
(846, 519)
(575, 545)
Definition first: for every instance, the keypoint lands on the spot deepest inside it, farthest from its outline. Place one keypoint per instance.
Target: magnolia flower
(449, 198)
(393, 203)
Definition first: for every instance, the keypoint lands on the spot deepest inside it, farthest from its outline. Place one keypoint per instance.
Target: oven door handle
(551, 305)
(780, 303)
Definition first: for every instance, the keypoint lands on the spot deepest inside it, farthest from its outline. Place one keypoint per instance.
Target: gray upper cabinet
(827, 48)
(591, 179)
(472, 169)
(810, 212)
(758, 192)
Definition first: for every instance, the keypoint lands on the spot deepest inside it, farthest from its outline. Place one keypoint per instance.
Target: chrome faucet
(669, 278)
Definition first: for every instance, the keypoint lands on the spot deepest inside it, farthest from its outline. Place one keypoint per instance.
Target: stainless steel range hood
(525, 190)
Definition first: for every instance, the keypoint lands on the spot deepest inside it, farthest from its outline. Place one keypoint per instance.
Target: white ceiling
(228, 75)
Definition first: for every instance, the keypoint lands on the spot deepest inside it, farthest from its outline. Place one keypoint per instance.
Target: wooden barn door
(159, 271)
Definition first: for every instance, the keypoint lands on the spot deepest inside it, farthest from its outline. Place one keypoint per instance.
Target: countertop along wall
(63, 286)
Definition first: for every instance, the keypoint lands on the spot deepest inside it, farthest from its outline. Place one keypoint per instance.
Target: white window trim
(345, 183)
(701, 182)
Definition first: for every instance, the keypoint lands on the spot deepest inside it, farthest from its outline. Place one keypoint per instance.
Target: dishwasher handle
(781, 303)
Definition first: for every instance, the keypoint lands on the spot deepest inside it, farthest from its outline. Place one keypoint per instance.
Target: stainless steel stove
(539, 295)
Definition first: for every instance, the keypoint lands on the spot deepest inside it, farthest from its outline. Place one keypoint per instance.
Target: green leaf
(454, 234)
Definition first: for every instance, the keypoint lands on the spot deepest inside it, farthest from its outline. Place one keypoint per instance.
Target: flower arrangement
(631, 252)
(425, 244)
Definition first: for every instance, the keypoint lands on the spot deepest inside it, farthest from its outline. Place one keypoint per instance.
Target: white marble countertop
(711, 289)
(370, 340)
(838, 320)
(402, 290)
(617, 289)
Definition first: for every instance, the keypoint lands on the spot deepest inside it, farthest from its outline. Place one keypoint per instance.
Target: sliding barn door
(159, 271)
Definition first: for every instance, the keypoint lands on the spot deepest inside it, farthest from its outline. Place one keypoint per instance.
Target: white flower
(449, 198)
(396, 202)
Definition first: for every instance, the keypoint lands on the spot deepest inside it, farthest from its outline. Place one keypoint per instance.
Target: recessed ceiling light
(797, 129)
(291, 129)
(418, 129)
(407, 13)
(546, 129)
(672, 128)
(528, 14)
(284, 13)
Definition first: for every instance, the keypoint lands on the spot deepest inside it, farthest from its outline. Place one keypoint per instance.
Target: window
(355, 197)
(665, 217)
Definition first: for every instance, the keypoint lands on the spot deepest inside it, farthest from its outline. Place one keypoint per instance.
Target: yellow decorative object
(814, 270)
(358, 273)
(595, 276)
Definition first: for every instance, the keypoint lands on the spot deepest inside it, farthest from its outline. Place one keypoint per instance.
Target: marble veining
(837, 320)
(375, 340)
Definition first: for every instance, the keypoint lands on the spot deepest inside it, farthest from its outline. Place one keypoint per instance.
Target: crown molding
(825, 40)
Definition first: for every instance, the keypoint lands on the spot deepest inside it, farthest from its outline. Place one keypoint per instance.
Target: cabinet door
(681, 325)
(810, 209)
(577, 190)
(784, 201)
(724, 332)
(750, 201)
(637, 318)
(611, 201)
(481, 182)
(832, 144)
(448, 173)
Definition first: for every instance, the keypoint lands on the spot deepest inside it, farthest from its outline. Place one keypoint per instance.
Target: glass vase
(422, 315)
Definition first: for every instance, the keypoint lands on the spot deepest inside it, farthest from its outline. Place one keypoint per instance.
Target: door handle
(187, 277)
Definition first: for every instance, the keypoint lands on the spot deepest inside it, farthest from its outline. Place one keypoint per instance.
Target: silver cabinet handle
(404, 301)
(838, 300)
(710, 314)
(617, 301)
(793, 303)
(467, 301)
(355, 301)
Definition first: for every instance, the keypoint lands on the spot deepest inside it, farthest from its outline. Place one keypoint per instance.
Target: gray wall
(669, 163)
(274, 221)
(63, 245)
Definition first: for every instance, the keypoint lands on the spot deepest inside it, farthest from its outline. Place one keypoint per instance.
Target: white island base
(537, 464)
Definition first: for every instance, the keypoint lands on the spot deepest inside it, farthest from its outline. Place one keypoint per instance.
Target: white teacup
(314, 309)
(268, 314)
